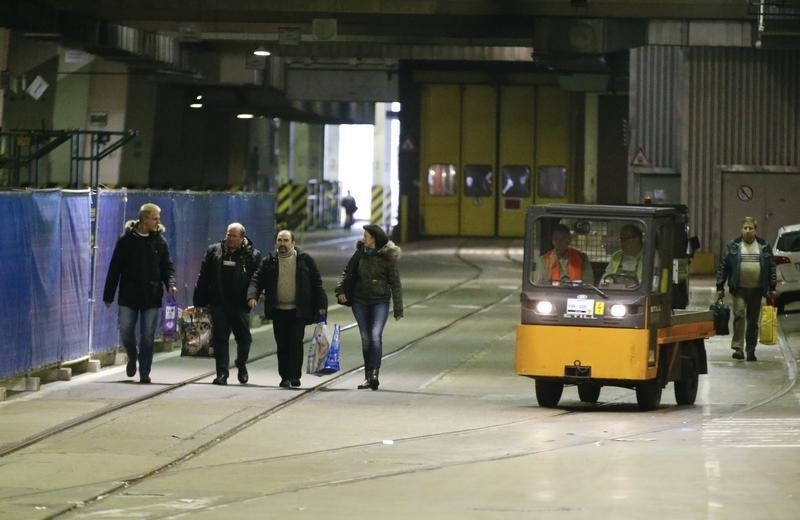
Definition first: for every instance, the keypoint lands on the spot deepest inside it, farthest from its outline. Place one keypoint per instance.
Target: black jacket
(141, 266)
(226, 285)
(309, 298)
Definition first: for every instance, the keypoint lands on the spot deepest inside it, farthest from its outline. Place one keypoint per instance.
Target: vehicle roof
(788, 228)
(607, 210)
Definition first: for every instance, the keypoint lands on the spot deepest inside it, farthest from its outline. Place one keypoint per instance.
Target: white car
(787, 264)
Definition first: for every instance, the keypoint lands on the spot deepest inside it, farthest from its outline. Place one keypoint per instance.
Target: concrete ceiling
(191, 39)
(418, 29)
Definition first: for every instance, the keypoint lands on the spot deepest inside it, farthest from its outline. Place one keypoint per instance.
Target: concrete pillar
(381, 169)
(331, 169)
(591, 124)
(5, 38)
(285, 156)
(262, 156)
(70, 110)
(331, 172)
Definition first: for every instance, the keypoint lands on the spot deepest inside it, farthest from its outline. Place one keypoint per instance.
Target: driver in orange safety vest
(563, 263)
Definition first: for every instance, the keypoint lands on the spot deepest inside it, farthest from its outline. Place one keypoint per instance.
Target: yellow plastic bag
(768, 325)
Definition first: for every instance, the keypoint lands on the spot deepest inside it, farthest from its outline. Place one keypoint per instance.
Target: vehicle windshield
(604, 253)
(789, 242)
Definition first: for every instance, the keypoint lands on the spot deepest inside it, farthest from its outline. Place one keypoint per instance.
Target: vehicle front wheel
(548, 393)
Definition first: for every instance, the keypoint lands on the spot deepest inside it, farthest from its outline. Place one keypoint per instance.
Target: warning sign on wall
(640, 159)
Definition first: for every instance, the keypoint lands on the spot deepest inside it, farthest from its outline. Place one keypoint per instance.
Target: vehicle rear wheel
(589, 392)
(548, 393)
(648, 395)
(686, 386)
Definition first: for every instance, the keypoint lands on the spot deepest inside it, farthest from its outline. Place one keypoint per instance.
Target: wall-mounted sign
(744, 192)
(37, 87)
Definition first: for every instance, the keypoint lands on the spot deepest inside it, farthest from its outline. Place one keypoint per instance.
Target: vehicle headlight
(544, 307)
(618, 310)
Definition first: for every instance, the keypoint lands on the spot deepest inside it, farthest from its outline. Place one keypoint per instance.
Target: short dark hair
(632, 230)
(291, 234)
(560, 228)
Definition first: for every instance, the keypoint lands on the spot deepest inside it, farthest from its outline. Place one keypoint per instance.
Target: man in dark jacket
(747, 265)
(291, 282)
(222, 287)
(141, 266)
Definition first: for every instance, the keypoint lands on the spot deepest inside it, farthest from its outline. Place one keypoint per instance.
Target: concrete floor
(452, 432)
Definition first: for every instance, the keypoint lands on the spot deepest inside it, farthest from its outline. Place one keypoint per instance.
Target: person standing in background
(222, 285)
(350, 208)
(141, 267)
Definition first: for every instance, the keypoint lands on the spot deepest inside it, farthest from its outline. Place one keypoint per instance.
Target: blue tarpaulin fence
(47, 265)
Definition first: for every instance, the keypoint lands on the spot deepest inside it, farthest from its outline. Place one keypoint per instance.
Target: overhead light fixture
(196, 105)
(244, 116)
(261, 51)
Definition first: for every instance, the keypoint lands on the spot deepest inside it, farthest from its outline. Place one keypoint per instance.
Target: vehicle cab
(603, 323)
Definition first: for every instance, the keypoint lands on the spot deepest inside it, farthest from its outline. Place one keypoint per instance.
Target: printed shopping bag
(331, 364)
(196, 332)
(768, 325)
(318, 348)
(169, 319)
(722, 316)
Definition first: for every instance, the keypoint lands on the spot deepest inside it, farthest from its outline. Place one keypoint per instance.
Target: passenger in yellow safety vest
(563, 263)
(627, 260)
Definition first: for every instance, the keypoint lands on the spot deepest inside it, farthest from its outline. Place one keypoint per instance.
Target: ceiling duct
(138, 48)
(588, 36)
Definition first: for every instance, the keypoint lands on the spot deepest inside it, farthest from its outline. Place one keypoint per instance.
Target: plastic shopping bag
(768, 325)
(196, 332)
(169, 319)
(722, 316)
(331, 364)
(318, 349)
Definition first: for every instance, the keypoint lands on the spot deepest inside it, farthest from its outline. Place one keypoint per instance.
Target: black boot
(365, 384)
(373, 379)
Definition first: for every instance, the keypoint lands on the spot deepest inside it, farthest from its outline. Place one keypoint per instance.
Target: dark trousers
(289, 331)
(746, 310)
(226, 320)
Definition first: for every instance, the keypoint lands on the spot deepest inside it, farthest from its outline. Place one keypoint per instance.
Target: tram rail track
(307, 393)
(65, 426)
(12, 447)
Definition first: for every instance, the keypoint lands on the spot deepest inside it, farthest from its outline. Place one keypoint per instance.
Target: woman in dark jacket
(369, 282)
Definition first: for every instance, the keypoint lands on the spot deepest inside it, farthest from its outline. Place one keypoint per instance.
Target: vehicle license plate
(580, 307)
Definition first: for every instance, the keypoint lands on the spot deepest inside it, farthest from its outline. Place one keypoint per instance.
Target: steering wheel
(628, 279)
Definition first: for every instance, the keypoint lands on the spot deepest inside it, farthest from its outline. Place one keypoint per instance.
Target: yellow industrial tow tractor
(627, 326)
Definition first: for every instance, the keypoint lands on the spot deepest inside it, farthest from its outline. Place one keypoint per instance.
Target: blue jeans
(148, 321)
(371, 320)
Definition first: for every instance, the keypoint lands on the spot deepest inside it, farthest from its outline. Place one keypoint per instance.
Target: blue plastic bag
(169, 319)
(332, 359)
